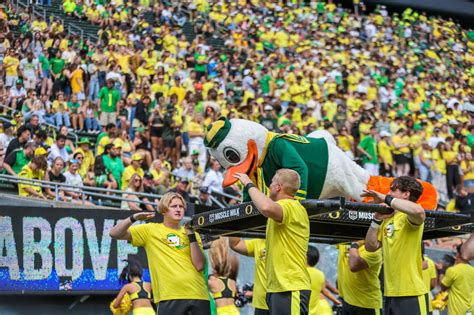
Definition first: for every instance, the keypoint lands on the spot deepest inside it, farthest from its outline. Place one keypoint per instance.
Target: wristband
(374, 224)
(249, 185)
(355, 245)
(379, 222)
(192, 238)
(132, 219)
(388, 200)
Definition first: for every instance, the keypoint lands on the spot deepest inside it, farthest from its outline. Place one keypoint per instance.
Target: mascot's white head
(237, 144)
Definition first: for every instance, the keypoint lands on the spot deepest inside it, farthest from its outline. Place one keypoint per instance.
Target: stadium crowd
(395, 91)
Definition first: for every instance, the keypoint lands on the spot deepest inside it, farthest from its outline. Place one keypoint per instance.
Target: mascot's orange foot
(428, 199)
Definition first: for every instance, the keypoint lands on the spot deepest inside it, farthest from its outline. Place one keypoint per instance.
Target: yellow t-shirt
(460, 281)
(102, 143)
(323, 308)
(77, 77)
(14, 63)
(401, 250)
(256, 248)
(397, 140)
(128, 172)
(465, 166)
(344, 142)
(385, 152)
(428, 274)
(360, 288)
(59, 107)
(317, 279)
(286, 244)
(173, 275)
(28, 173)
(88, 161)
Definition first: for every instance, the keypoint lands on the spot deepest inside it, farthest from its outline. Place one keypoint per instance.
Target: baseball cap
(195, 152)
(40, 151)
(148, 176)
(136, 157)
(204, 189)
(384, 133)
(84, 140)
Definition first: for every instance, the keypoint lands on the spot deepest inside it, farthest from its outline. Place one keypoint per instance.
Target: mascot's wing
(428, 199)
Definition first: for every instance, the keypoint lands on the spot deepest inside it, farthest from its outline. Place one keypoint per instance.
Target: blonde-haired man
(175, 257)
(287, 236)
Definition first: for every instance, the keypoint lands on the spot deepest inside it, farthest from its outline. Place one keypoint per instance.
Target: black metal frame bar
(332, 221)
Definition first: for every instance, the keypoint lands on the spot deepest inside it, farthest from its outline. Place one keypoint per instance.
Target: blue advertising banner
(62, 250)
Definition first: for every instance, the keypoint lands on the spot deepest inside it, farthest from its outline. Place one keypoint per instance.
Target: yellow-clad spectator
(34, 170)
(133, 168)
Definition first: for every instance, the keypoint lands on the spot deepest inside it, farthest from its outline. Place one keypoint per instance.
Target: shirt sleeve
(287, 213)
(449, 277)
(371, 258)
(11, 158)
(432, 269)
(140, 234)
(250, 245)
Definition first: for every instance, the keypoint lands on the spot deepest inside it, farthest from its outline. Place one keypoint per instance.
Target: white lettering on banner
(45, 249)
(8, 246)
(227, 214)
(41, 248)
(77, 248)
(124, 249)
(99, 252)
(354, 215)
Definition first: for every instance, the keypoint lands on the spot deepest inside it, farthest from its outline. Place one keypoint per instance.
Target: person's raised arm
(197, 256)
(121, 232)
(356, 263)
(416, 214)
(265, 205)
(238, 245)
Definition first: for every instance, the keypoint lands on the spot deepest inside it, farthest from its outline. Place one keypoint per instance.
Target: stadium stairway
(90, 30)
(55, 11)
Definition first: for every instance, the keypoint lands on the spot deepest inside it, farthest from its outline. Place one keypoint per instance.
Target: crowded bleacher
(130, 111)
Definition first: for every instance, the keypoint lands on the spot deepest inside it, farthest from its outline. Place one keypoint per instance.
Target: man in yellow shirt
(459, 280)
(33, 170)
(11, 64)
(133, 168)
(399, 234)
(429, 275)
(175, 257)
(254, 248)
(287, 236)
(358, 280)
(88, 157)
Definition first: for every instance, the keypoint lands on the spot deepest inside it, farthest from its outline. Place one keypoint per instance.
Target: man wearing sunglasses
(399, 234)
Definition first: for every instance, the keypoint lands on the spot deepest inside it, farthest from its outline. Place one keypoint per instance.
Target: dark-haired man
(399, 234)
(23, 134)
(58, 149)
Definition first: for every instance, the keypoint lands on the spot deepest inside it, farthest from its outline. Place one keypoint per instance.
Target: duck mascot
(243, 146)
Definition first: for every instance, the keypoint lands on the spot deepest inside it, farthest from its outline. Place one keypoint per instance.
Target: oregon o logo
(248, 209)
(200, 220)
(335, 215)
(456, 228)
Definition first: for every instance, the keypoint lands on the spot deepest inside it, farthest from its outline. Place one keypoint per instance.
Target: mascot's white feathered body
(326, 171)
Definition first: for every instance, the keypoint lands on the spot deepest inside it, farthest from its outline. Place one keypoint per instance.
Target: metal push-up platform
(331, 221)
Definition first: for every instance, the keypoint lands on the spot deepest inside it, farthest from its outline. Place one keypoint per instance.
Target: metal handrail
(85, 190)
(223, 194)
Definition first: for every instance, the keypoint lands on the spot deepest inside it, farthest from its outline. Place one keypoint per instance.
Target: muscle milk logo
(354, 215)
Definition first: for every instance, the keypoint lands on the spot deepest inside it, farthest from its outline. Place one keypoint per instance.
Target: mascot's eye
(231, 155)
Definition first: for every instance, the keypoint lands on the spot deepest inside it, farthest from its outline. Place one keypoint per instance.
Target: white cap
(268, 107)
(384, 133)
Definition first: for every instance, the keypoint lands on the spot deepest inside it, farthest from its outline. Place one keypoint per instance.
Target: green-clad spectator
(109, 96)
(18, 158)
(470, 136)
(79, 10)
(113, 162)
(200, 65)
(368, 148)
(265, 81)
(69, 6)
(57, 64)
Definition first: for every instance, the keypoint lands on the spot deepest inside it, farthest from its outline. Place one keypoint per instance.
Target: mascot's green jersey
(307, 156)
